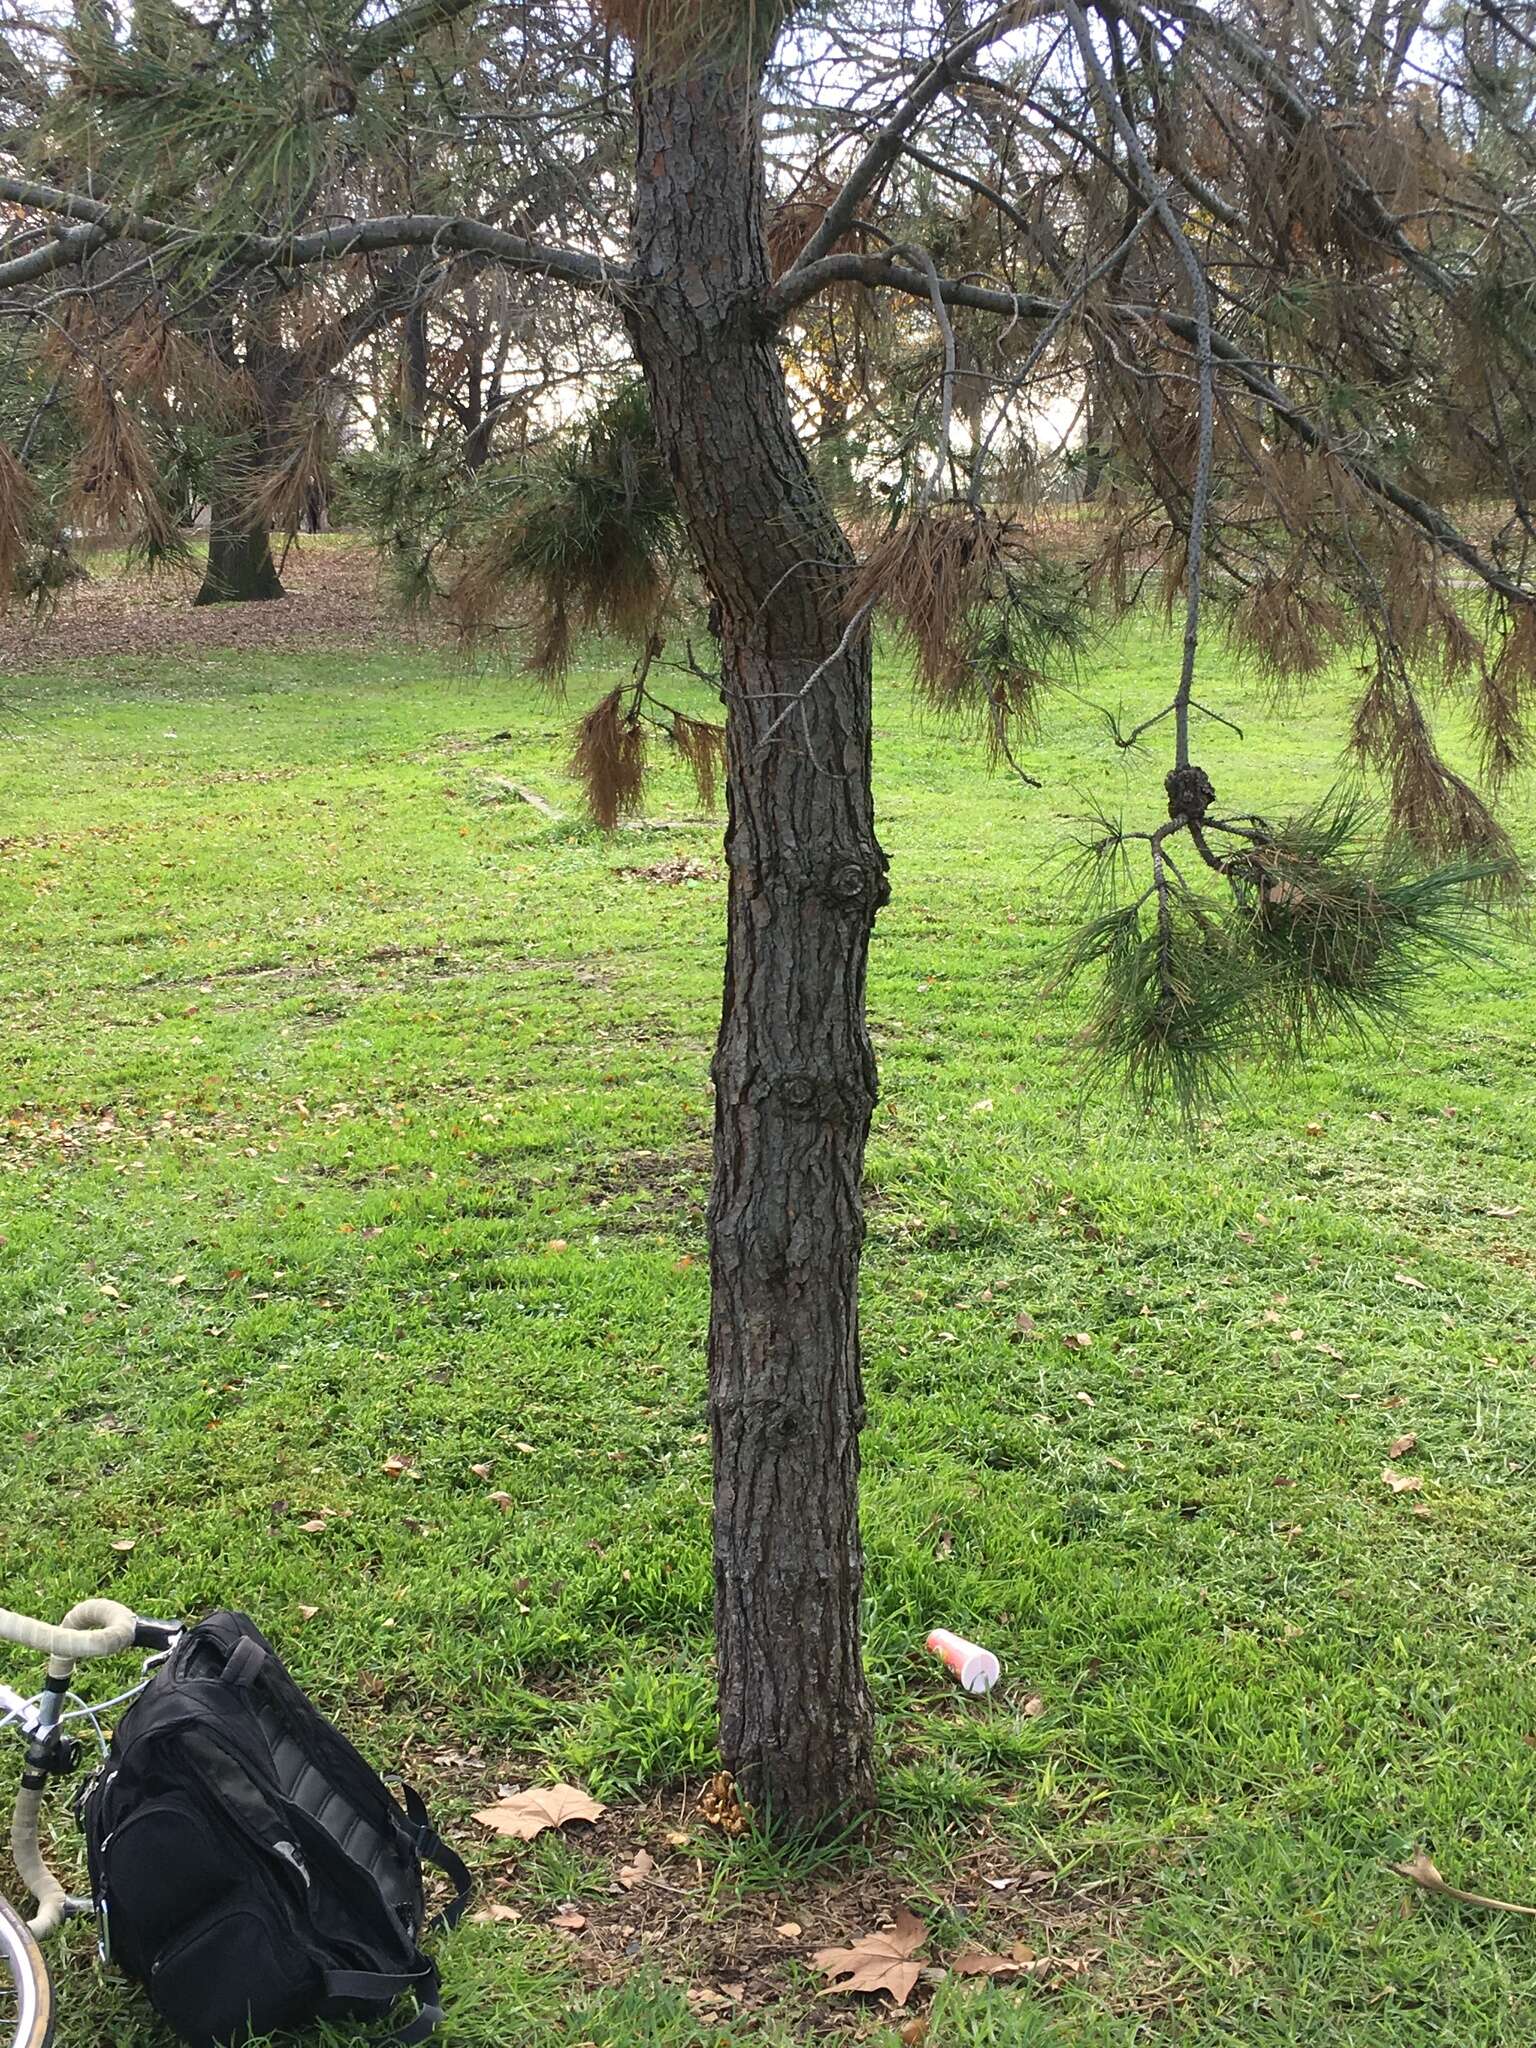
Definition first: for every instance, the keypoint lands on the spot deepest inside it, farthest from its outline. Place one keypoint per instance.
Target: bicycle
(94, 1628)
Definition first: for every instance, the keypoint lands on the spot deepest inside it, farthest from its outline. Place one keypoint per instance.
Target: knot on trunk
(858, 883)
(815, 1098)
(1190, 794)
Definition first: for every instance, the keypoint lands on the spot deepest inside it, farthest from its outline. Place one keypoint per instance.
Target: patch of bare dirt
(651, 1896)
(333, 601)
(682, 868)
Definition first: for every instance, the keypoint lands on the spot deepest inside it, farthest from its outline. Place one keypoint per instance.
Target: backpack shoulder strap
(357, 1987)
(432, 1849)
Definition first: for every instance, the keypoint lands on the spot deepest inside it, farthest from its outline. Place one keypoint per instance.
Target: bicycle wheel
(26, 1996)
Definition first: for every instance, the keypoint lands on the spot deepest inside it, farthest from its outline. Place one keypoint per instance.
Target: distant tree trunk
(794, 1069)
(413, 374)
(240, 566)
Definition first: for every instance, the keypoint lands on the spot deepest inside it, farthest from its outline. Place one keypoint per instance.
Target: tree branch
(402, 31)
(875, 270)
(286, 252)
(886, 147)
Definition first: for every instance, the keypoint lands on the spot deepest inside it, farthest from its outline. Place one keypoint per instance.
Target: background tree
(1278, 259)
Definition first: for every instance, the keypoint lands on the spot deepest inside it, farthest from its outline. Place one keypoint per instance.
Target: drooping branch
(875, 271)
(1157, 199)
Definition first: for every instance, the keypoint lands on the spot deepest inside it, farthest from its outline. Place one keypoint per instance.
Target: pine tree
(1276, 257)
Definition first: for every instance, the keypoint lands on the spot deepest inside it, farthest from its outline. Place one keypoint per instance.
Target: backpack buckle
(103, 1931)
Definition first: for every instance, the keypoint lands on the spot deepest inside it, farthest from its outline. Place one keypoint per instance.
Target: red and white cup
(977, 1669)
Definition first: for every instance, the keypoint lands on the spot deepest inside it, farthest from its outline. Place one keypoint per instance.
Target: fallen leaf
(1407, 1280)
(976, 1962)
(1282, 1480)
(1500, 1209)
(177, 1280)
(1118, 1464)
(637, 1870)
(315, 1526)
(502, 1500)
(704, 1998)
(481, 1471)
(1033, 1707)
(915, 2032)
(677, 1838)
(572, 1923)
(789, 1930)
(395, 1468)
(1401, 1482)
(125, 1544)
(522, 1815)
(1078, 1341)
(1088, 1401)
(495, 1911)
(1420, 1871)
(526, 1449)
(307, 1613)
(1400, 1446)
(999, 1884)
(557, 1244)
(877, 1962)
(1025, 1325)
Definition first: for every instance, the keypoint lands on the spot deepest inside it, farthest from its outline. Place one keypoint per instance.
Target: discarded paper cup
(977, 1669)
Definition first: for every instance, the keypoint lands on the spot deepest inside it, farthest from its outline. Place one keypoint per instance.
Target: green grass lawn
(358, 1113)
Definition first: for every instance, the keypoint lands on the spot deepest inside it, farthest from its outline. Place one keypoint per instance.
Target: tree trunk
(794, 1069)
(240, 566)
(413, 374)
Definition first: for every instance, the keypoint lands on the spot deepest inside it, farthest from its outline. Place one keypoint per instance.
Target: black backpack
(248, 1867)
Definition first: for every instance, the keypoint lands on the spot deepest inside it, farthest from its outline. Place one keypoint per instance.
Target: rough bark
(240, 566)
(794, 1070)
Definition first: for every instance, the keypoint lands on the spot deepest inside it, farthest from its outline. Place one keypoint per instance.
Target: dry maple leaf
(877, 1962)
(1401, 1482)
(1420, 1871)
(522, 1815)
(637, 1870)
(976, 1963)
(1400, 1446)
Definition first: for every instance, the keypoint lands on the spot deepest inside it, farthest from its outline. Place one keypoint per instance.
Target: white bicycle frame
(95, 1628)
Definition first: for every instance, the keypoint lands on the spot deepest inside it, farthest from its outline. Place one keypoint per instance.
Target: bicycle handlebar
(94, 1628)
